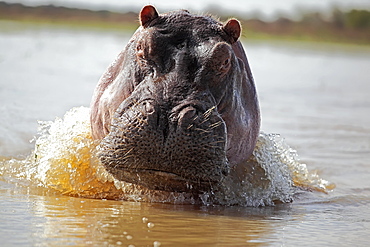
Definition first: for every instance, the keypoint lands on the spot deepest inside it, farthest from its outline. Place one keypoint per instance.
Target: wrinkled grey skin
(178, 109)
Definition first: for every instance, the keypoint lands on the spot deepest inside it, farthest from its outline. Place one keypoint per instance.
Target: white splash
(64, 160)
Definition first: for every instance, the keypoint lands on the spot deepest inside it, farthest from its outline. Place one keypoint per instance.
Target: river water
(314, 96)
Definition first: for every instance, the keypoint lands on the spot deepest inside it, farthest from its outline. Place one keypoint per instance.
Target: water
(315, 97)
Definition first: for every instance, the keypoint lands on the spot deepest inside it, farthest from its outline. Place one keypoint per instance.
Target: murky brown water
(316, 97)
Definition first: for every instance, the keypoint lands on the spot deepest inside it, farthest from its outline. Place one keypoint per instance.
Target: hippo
(177, 110)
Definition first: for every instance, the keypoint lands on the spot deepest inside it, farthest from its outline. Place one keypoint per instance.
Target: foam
(64, 160)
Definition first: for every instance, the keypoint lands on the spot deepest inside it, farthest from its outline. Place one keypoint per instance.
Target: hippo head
(178, 109)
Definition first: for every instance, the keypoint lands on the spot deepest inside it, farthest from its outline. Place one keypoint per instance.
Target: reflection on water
(316, 99)
(63, 220)
(75, 221)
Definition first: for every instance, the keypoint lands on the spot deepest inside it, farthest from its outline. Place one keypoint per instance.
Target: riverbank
(352, 27)
(71, 18)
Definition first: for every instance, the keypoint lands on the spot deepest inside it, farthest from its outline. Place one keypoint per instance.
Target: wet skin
(177, 110)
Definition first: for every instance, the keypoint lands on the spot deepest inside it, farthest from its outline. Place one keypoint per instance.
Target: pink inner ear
(147, 14)
(233, 29)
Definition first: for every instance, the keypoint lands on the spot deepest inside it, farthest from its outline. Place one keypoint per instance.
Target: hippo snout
(181, 116)
(175, 149)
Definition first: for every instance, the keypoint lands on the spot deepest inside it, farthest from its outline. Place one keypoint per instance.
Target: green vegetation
(351, 27)
(68, 17)
(359, 19)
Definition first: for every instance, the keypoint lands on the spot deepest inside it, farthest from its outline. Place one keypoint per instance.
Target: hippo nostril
(149, 107)
(187, 115)
(188, 112)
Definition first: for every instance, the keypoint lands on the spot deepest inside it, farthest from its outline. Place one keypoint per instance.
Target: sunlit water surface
(315, 97)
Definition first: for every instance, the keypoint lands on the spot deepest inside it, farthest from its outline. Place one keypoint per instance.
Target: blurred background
(324, 20)
(265, 9)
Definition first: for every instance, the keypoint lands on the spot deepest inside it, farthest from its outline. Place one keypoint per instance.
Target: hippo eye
(140, 51)
(180, 43)
(180, 46)
(225, 66)
(139, 47)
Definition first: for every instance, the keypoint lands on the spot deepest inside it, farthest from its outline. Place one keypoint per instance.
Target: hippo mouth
(162, 180)
(188, 154)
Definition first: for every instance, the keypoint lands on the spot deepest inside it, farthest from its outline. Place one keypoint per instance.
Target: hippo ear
(233, 29)
(147, 14)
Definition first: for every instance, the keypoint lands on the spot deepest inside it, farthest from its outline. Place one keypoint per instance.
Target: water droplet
(150, 225)
(145, 220)
(156, 243)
